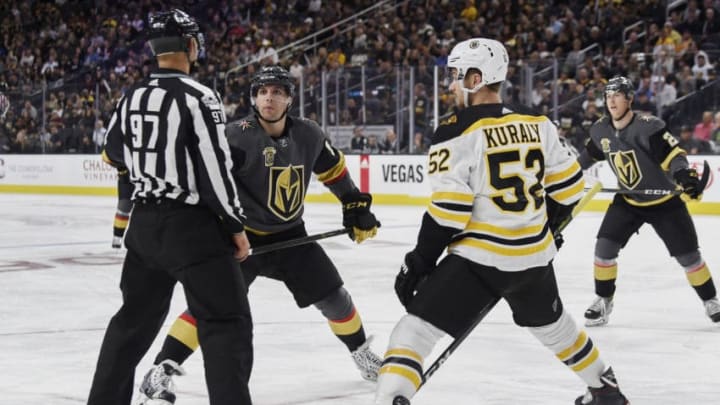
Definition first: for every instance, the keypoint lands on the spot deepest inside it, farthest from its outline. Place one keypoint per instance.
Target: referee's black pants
(170, 242)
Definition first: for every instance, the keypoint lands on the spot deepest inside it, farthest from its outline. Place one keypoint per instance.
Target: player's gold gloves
(357, 216)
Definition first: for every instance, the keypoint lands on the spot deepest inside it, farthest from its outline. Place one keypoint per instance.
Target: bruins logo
(625, 165)
(287, 191)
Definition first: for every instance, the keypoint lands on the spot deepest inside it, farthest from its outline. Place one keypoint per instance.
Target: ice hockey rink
(59, 287)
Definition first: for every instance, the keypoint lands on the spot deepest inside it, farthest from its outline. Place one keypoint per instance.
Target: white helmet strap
(467, 92)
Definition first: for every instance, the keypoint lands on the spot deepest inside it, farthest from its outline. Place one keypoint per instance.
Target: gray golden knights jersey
(273, 173)
(641, 155)
(490, 169)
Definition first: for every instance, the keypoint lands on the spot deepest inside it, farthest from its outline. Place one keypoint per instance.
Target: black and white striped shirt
(169, 132)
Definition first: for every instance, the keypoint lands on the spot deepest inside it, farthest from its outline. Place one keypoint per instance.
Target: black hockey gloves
(413, 270)
(558, 216)
(688, 180)
(357, 216)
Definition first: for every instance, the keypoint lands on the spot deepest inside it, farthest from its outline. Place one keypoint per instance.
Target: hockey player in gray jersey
(643, 154)
(274, 156)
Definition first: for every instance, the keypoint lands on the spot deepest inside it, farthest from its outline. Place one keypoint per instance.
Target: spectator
(391, 144)
(420, 147)
(421, 106)
(701, 68)
(687, 142)
(716, 132)
(372, 146)
(57, 141)
(98, 136)
(704, 129)
(643, 105)
(358, 143)
(267, 55)
(667, 96)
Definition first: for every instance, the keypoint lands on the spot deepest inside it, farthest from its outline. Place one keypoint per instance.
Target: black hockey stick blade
(297, 242)
(705, 177)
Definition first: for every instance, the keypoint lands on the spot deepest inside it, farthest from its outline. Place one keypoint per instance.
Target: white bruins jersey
(490, 169)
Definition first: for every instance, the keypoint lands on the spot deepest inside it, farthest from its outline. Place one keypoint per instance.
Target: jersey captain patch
(287, 191)
(625, 165)
(269, 154)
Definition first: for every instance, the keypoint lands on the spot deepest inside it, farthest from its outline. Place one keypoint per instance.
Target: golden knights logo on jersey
(287, 191)
(625, 165)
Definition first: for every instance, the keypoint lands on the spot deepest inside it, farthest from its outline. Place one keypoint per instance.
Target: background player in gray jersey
(274, 156)
(643, 154)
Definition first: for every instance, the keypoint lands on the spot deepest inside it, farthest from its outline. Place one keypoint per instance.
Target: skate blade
(595, 322)
(144, 400)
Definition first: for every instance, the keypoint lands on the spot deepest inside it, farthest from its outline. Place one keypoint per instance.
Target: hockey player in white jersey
(501, 184)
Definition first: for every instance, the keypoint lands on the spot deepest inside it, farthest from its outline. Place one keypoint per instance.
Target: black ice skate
(608, 394)
(400, 400)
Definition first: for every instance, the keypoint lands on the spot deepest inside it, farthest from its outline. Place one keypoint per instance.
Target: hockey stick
(659, 191)
(297, 242)
(458, 340)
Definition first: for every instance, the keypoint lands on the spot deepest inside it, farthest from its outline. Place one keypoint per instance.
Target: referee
(168, 132)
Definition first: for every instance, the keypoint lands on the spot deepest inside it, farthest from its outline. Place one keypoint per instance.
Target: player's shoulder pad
(523, 110)
(304, 124)
(211, 101)
(458, 123)
(305, 128)
(603, 120)
(447, 130)
(649, 124)
(601, 124)
(242, 126)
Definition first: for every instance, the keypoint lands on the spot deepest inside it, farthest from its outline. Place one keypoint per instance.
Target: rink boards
(392, 179)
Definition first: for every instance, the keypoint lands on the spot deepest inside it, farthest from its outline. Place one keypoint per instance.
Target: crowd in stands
(64, 63)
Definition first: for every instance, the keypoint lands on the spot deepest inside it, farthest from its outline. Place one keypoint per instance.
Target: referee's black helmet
(169, 31)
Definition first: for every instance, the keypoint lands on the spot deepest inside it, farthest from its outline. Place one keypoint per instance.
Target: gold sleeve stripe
(514, 233)
(449, 216)
(699, 276)
(665, 165)
(404, 353)
(568, 193)
(120, 222)
(648, 203)
(507, 251)
(105, 157)
(490, 122)
(579, 344)
(605, 273)
(334, 172)
(185, 332)
(257, 231)
(347, 326)
(407, 373)
(453, 197)
(588, 361)
(563, 175)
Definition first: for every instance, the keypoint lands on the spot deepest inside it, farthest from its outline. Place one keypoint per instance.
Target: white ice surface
(58, 289)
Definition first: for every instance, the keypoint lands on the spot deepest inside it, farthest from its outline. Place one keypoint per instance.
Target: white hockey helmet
(486, 55)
